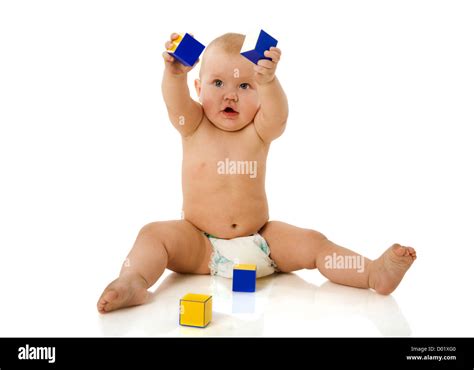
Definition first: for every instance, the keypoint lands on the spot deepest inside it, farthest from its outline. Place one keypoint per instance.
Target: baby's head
(226, 85)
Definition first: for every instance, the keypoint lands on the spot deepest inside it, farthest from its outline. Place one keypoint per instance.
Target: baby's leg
(293, 248)
(177, 245)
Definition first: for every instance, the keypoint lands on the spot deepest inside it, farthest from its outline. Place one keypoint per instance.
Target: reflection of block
(195, 310)
(243, 303)
(186, 49)
(244, 278)
(255, 45)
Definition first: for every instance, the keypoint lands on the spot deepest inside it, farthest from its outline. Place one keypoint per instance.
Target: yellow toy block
(195, 310)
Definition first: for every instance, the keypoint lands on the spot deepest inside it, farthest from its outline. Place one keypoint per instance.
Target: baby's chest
(215, 158)
(237, 146)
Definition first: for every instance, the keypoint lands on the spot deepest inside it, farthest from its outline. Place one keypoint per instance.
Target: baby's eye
(218, 83)
(244, 86)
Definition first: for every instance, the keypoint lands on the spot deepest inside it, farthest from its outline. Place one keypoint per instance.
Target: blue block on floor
(244, 278)
(255, 46)
(186, 49)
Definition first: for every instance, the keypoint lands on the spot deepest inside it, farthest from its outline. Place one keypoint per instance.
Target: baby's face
(227, 90)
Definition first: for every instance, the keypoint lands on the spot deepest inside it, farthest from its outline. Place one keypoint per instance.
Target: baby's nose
(231, 96)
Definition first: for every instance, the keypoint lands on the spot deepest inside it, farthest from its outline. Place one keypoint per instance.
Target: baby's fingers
(266, 63)
(167, 57)
(262, 70)
(168, 45)
(273, 53)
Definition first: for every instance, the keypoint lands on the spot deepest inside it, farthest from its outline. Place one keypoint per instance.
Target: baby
(226, 137)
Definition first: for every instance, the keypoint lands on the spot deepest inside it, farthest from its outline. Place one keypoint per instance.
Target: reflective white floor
(284, 305)
(45, 301)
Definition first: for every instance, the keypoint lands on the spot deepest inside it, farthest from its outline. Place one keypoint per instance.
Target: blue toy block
(186, 49)
(254, 47)
(244, 278)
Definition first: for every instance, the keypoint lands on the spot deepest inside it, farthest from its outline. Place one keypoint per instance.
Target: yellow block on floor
(195, 310)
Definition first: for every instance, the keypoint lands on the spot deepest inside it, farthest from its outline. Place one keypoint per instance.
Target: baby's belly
(226, 215)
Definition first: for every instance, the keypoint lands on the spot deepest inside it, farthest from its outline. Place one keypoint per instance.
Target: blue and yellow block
(255, 46)
(244, 278)
(186, 49)
(195, 310)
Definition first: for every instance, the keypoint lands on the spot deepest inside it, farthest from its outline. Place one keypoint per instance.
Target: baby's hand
(265, 69)
(171, 64)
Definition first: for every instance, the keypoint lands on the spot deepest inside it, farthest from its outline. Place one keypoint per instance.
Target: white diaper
(252, 250)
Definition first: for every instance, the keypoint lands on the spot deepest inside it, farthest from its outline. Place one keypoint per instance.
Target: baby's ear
(197, 85)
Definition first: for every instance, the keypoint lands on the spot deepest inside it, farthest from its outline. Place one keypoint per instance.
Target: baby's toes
(104, 302)
(399, 250)
(411, 252)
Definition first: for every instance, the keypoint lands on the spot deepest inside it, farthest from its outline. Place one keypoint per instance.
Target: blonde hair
(230, 43)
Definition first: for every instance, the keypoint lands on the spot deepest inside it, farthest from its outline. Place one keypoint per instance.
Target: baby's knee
(153, 230)
(311, 244)
(314, 237)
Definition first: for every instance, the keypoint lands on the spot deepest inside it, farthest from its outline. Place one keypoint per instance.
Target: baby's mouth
(230, 112)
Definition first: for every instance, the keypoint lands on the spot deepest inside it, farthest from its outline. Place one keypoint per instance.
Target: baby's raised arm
(270, 120)
(185, 114)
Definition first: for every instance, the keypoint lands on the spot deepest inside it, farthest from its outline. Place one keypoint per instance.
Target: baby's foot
(387, 271)
(127, 290)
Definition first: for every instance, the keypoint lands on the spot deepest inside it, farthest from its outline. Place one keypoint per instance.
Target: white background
(378, 150)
